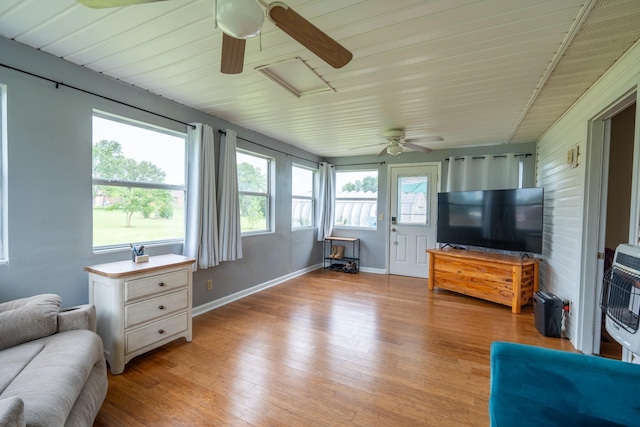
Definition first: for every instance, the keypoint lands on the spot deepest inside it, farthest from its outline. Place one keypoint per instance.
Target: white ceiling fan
(243, 19)
(396, 143)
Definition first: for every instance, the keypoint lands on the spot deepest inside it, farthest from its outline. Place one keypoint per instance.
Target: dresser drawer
(138, 288)
(143, 311)
(147, 335)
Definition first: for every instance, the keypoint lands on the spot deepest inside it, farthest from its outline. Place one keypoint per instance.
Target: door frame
(594, 216)
(387, 223)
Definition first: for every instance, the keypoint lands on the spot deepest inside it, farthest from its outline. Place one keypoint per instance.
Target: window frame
(312, 198)
(347, 199)
(4, 198)
(268, 195)
(137, 184)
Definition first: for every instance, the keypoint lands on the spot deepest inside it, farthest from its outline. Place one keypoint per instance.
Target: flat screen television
(509, 220)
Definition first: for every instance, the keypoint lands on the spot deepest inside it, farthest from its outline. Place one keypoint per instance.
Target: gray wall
(49, 184)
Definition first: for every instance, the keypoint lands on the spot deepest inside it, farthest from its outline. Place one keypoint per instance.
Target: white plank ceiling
(474, 72)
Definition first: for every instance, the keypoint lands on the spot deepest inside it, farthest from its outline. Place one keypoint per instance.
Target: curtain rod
(58, 84)
(496, 156)
(221, 132)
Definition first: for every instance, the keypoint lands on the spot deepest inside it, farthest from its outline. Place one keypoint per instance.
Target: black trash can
(548, 314)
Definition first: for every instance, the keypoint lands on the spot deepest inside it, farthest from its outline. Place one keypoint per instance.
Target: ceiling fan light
(241, 19)
(394, 150)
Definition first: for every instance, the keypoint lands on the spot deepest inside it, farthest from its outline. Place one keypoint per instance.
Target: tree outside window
(138, 183)
(254, 191)
(356, 199)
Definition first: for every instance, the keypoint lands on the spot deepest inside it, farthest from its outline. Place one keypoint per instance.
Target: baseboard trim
(201, 309)
(373, 270)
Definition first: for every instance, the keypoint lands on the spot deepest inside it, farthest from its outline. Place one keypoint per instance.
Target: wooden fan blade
(101, 4)
(417, 147)
(232, 60)
(309, 36)
(383, 152)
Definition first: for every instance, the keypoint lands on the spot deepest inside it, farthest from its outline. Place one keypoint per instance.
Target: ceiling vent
(296, 77)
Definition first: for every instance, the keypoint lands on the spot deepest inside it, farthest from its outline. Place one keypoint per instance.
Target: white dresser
(141, 306)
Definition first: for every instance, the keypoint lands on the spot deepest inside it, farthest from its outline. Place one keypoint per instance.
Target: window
(356, 199)
(413, 200)
(139, 177)
(3, 174)
(302, 197)
(254, 187)
(520, 173)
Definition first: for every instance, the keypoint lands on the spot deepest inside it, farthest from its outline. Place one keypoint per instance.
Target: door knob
(393, 229)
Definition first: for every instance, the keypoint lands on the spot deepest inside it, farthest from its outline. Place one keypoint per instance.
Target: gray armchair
(53, 368)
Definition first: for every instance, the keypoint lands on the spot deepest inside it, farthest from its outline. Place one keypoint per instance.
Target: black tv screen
(509, 220)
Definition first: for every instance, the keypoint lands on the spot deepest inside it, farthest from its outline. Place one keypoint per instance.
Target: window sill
(127, 248)
(257, 233)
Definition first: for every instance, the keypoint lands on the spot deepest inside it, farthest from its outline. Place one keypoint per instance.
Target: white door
(412, 218)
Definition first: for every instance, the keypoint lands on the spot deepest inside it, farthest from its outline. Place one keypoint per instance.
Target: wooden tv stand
(503, 279)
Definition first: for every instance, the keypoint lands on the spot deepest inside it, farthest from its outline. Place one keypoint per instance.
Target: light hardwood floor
(326, 349)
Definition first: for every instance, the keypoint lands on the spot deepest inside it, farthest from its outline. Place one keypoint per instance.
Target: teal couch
(534, 386)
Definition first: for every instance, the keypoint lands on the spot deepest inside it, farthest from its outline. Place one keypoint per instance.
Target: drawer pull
(161, 284)
(161, 331)
(161, 307)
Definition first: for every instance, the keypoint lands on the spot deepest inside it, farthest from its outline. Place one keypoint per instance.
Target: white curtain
(488, 172)
(326, 200)
(228, 201)
(201, 235)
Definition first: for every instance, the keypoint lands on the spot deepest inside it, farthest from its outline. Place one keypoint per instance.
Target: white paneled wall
(562, 271)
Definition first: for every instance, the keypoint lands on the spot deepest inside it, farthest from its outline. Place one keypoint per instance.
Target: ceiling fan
(243, 19)
(396, 143)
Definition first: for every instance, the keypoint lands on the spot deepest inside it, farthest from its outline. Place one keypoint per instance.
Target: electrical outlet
(209, 284)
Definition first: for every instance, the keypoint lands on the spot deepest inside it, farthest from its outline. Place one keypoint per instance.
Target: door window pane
(413, 206)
